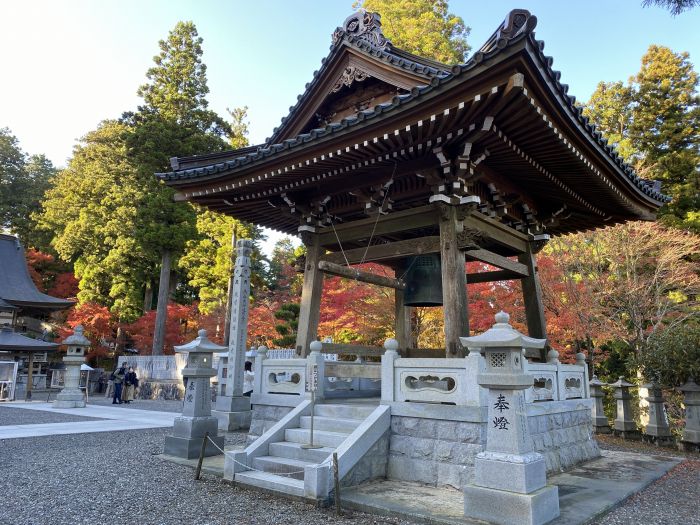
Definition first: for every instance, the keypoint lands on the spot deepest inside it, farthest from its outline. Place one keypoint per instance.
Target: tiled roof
(518, 25)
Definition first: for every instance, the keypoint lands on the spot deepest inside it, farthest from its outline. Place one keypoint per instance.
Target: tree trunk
(162, 309)
(148, 298)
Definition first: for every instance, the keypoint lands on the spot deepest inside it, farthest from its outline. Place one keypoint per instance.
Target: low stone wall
(373, 465)
(432, 451)
(264, 417)
(160, 390)
(562, 432)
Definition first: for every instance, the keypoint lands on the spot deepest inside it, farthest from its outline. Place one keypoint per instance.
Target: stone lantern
(509, 476)
(600, 421)
(624, 424)
(691, 433)
(71, 396)
(196, 419)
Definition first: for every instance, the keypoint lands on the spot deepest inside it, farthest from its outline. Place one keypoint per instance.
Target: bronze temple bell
(423, 281)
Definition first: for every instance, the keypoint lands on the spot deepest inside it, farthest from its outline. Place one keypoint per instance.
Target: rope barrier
(248, 467)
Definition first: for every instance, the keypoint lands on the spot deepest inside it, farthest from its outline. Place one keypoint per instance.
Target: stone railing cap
(502, 334)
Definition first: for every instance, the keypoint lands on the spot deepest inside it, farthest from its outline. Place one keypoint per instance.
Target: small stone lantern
(71, 396)
(657, 430)
(690, 440)
(600, 421)
(624, 424)
(196, 419)
(510, 477)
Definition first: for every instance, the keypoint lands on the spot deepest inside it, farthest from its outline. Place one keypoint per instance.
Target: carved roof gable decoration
(363, 25)
(350, 74)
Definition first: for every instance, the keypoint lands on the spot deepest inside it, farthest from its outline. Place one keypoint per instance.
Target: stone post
(71, 396)
(196, 418)
(260, 357)
(600, 421)
(509, 476)
(315, 364)
(624, 424)
(233, 408)
(691, 433)
(657, 429)
(391, 354)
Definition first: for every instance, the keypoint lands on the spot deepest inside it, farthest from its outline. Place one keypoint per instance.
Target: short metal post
(336, 481)
(311, 445)
(198, 471)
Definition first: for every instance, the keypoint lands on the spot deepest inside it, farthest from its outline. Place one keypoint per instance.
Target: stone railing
(555, 381)
(430, 380)
(279, 376)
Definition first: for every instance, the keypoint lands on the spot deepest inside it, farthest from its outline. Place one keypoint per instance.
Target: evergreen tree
(423, 27)
(655, 123)
(23, 182)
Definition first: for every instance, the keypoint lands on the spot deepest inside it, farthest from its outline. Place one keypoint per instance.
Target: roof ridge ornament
(365, 26)
(517, 22)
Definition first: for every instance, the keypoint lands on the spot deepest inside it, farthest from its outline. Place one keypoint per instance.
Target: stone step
(343, 411)
(287, 449)
(267, 481)
(321, 437)
(331, 424)
(291, 468)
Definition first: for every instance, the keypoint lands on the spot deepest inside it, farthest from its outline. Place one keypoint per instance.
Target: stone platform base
(190, 448)
(230, 421)
(161, 390)
(510, 508)
(70, 400)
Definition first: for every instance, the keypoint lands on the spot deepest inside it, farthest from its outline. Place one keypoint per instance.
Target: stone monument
(71, 396)
(233, 408)
(509, 476)
(196, 419)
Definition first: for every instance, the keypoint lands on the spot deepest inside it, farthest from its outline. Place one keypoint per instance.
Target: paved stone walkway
(107, 419)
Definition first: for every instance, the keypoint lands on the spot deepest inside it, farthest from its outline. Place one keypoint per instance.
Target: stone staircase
(283, 469)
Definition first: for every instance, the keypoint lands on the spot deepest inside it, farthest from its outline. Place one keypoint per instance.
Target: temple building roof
(376, 120)
(11, 341)
(16, 286)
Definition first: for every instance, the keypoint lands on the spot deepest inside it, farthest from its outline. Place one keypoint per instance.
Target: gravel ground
(76, 479)
(94, 478)
(21, 416)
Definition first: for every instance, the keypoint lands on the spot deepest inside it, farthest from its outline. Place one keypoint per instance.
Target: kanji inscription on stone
(501, 403)
(501, 423)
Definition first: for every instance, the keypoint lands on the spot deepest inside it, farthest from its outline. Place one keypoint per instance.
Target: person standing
(130, 384)
(119, 375)
(248, 378)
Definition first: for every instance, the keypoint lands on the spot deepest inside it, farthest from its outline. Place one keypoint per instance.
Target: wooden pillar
(310, 307)
(532, 296)
(454, 283)
(30, 379)
(402, 319)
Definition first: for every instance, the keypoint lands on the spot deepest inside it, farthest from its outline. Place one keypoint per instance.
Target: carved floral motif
(350, 74)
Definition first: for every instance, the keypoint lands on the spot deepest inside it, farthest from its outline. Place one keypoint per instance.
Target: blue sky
(69, 64)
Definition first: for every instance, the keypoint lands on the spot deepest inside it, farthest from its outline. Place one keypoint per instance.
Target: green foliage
(23, 182)
(671, 356)
(655, 123)
(288, 314)
(423, 27)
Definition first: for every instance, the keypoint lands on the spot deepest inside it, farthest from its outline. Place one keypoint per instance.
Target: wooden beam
(497, 231)
(359, 275)
(488, 277)
(498, 261)
(399, 221)
(532, 295)
(358, 350)
(393, 250)
(402, 318)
